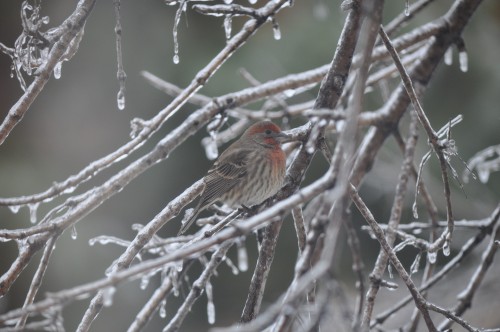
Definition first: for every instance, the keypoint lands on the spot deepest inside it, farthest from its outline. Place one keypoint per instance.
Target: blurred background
(75, 120)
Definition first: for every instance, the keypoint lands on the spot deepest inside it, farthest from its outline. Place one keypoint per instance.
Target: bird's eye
(268, 132)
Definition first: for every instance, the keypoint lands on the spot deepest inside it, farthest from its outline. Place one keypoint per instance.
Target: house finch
(248, 172)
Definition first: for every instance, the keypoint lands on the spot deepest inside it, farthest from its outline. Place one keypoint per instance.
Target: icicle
(211, 149)
(228, 23)
(107, 296)
(210, 303)
(233, 267)
(74, 234)
(448, 56)
(57, 70)
(276, 30)
(389, 269)
(242, 257)
(33, 207)
(144, 281)
(182, 8)
(416, 264)
(414, 209)
(407, 8)
(432, 257)
(14, 208)
(174, 276)
(163, 308)
(463, 59)
(120, 100)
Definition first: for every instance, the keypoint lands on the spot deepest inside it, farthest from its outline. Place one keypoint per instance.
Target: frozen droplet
(57, 70)
(228, 2)
(175, 59)
(276, 31)
(14, 208)
(144, 281)
(111, 269)
(463, 59)
(211, 148)
(389, 269)
(179, 266)
(107, 296)
(69, 190)
(74, 234)
(242, 257)
(252, 2)
(310, 148)
(446, 249)
(483, 173)
(289, 93)
(390, 286)
(432, 257)
(163, 308)
(120, 100)
(45, 20)
(228, 24)
(407, 7)
(448, 56)
(210, 303)
(417, 231)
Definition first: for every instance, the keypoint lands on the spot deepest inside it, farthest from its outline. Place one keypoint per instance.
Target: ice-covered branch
(68, 31)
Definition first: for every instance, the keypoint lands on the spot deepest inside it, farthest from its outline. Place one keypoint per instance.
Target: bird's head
(267, 134)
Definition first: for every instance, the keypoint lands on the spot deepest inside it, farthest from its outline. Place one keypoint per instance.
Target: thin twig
(419, 300)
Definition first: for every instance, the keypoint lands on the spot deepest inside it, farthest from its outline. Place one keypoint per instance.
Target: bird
(248, 172)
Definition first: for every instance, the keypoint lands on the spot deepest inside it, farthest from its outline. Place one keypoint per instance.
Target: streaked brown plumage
(248, 172)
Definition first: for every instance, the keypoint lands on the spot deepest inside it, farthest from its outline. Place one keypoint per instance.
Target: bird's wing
(225, 174)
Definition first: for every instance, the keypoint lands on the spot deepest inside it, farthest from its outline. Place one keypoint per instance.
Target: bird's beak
(283, 137)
